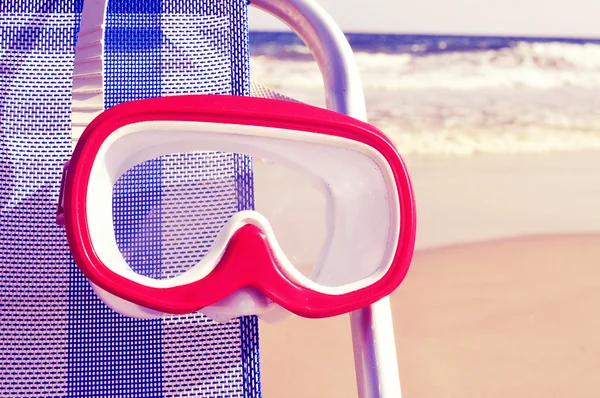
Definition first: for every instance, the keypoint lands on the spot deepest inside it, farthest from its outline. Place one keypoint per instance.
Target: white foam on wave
(533, 97)
(470, 143)
(536, 65)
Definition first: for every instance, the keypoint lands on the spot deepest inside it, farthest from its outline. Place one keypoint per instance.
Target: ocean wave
(525, 97)
(537, 65)
(489, 121)
(471, 143)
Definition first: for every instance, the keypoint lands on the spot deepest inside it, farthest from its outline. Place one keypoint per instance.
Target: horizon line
(452, 35)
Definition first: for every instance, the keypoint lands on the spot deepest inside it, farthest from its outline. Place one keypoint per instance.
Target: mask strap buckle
(60, 208)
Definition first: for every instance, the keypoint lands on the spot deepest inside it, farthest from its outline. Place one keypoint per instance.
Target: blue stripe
(240, 61)
(111, 355)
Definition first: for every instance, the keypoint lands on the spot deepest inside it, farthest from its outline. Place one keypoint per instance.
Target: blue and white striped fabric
(56, 338)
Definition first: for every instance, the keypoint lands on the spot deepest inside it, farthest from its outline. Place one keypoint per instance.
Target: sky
(545, 18)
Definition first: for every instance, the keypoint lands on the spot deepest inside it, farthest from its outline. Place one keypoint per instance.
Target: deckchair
(58, 338)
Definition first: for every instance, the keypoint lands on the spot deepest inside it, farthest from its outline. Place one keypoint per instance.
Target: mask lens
(330, 202)
(295, 208)
(181, 202)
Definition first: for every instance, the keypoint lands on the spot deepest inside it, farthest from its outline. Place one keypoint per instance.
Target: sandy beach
(502, 298)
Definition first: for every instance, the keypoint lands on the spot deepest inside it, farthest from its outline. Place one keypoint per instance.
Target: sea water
(457, 95)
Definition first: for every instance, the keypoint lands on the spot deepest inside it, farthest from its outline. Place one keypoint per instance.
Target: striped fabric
(56, 338)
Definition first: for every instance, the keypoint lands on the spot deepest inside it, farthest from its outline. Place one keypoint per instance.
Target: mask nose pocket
(246, 301)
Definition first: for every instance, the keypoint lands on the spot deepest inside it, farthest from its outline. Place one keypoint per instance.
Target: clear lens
(331, 202)
(182, 201)
(295, 208)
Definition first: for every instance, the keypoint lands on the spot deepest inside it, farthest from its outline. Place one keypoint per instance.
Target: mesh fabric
(56, 338)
